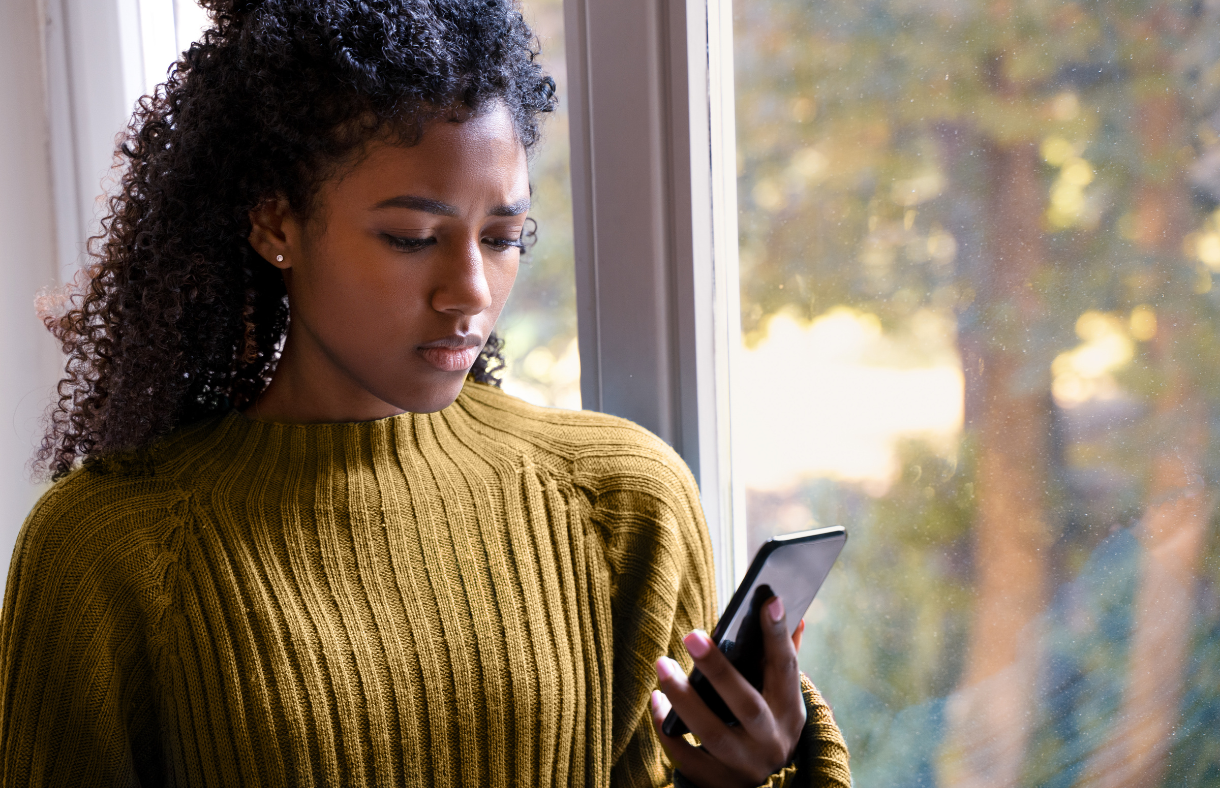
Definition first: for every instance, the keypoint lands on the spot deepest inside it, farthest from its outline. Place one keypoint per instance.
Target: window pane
(539, 323)
(978, 246)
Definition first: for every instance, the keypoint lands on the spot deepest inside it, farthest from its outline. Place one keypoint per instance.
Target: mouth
(456, 353)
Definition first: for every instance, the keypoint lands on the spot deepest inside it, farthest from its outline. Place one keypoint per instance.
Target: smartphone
(791, 567)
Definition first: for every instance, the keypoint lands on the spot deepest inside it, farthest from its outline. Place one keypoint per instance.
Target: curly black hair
(179, 317)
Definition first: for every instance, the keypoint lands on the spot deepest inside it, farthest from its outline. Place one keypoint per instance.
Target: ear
(271, 231)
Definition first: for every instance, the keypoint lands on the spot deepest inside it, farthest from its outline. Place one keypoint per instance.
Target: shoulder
(602, 451)
(107, 518)
(644, 502)
(88, 562)
(89, 515)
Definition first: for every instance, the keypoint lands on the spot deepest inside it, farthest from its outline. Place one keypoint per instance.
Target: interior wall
(28, 357)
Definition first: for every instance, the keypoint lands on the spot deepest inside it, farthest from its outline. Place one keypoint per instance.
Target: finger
(746, 703)
(679, 750)
(716, 737)
(796, 636)
(696, 764)
(781, 672)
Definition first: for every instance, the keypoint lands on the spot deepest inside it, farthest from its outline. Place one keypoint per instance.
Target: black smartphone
(791, 567)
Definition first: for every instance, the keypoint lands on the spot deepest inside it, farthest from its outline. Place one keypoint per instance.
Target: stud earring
(279, 258)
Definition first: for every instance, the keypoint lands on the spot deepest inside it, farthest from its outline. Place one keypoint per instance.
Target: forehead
(480, 153)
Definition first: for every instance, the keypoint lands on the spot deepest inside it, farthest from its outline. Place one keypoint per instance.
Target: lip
(456, 353)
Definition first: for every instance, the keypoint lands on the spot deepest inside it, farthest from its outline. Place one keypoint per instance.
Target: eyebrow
(516, 209)
(428, 205)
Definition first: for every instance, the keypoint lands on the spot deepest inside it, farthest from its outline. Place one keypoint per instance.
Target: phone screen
(792, 567)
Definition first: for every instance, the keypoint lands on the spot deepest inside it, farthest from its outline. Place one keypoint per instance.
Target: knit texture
(470, 597)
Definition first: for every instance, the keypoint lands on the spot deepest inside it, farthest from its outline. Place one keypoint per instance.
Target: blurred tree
(995, 710)
(1172, 530)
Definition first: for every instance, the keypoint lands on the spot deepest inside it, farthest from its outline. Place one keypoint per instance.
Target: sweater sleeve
(662, 587)
(72, 709)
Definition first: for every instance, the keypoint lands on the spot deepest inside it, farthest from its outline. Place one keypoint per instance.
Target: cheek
(500, 281)
(353, 297)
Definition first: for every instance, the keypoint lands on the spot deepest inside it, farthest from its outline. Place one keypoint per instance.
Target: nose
(462, 287)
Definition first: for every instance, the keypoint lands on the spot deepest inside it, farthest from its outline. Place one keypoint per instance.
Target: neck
(308, 388)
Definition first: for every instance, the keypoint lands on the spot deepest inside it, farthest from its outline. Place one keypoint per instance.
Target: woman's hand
(770, 722)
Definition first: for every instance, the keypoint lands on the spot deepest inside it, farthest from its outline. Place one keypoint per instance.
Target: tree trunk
(992, 713)
(1172, 532)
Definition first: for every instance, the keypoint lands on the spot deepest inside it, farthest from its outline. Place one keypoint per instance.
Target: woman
(311, 542)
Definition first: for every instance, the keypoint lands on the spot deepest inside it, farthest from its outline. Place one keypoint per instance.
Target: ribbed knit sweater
(472, 597)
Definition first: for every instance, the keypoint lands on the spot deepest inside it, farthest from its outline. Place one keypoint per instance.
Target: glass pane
(539, 323)
(978, 247)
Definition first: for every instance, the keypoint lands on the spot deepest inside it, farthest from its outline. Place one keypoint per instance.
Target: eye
(504, 244)
(408, 244)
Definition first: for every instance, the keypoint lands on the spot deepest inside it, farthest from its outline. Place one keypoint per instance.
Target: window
(978, 246)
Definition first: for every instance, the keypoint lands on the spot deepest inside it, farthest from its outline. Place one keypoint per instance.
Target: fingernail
(665, 668)
(775, 609)
(656, 701)
(697, 643)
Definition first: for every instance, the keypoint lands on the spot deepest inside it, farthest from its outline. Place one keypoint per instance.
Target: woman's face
(397, 278)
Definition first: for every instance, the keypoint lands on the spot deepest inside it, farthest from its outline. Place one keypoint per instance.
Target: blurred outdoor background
(978, 248)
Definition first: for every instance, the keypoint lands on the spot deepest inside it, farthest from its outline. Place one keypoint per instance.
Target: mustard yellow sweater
(473, 597)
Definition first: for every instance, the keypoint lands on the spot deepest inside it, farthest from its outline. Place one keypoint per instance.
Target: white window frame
(654, 207)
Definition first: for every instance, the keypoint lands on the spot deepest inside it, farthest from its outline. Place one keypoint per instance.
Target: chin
(432, 398)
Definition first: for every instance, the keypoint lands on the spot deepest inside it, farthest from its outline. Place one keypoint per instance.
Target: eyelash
(416, 244)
